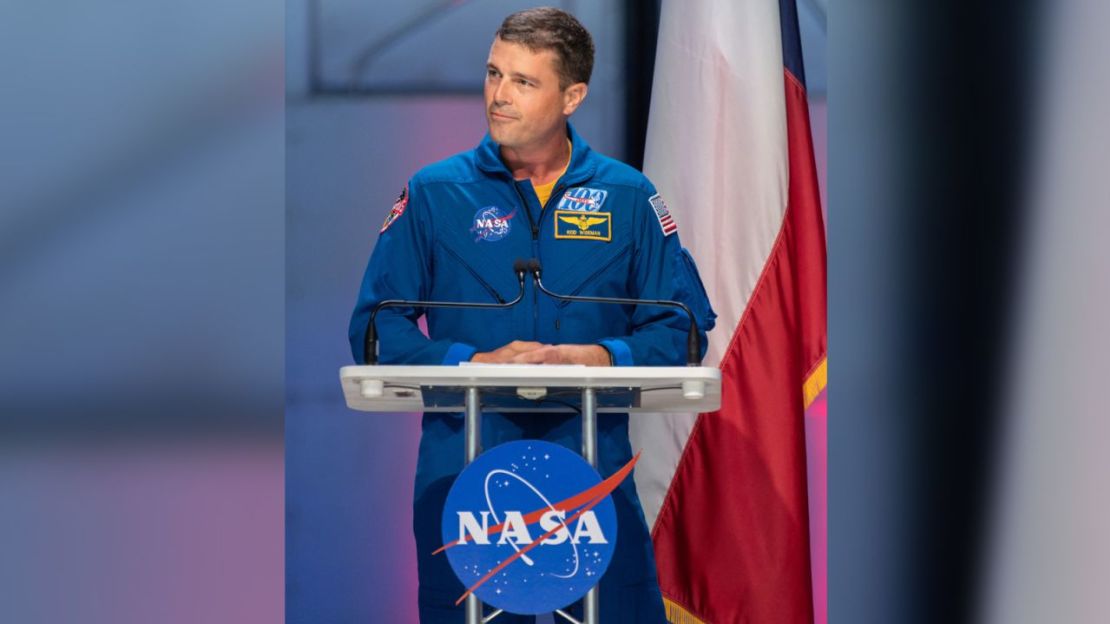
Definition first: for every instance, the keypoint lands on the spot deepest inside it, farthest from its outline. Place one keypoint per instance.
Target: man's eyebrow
(533, 79)
(526, 77)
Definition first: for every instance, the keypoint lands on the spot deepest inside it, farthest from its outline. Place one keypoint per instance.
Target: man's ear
(573, 96)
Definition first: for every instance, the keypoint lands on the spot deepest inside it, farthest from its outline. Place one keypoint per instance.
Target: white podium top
(516, 387)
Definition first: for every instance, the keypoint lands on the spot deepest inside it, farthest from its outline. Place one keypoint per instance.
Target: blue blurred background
(141, 312)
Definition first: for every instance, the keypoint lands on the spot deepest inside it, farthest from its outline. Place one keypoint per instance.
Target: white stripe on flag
(717, 152)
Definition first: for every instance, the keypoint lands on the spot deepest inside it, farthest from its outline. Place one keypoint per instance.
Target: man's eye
(491, 73)
(522, 82)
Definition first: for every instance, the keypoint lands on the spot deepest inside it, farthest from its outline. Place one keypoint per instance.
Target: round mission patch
(397, 210)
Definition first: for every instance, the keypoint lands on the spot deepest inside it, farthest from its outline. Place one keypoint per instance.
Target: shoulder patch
(397, 210)
(666, 223)
(582, 198)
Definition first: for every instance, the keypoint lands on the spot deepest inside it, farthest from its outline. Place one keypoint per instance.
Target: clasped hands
(524, 352)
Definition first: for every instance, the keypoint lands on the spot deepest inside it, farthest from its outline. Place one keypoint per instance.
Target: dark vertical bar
(314, 77)
(929, 146)
(641, 31)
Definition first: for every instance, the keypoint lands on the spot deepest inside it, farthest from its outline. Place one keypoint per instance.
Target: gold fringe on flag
(678, 615)
(816, 382)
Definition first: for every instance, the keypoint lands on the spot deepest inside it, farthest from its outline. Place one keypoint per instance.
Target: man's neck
(542, 163)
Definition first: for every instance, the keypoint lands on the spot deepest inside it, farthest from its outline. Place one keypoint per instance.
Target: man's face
(524, 103)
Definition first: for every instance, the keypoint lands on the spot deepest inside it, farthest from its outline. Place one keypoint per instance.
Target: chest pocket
(462, 276)
(475, 247)
(603, 274)
(479, 276)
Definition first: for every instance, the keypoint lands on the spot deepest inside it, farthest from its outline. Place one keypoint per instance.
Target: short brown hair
(548, 28)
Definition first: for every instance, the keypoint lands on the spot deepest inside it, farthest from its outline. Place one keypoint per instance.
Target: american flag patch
(665, 221)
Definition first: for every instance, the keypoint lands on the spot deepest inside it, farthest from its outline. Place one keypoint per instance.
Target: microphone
(371, 346)
(692, 347)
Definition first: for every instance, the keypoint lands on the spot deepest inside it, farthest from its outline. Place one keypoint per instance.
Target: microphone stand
(371, 345)
(692, 342)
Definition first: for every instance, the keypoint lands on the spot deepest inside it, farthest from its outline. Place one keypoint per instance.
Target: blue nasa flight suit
(453, 236)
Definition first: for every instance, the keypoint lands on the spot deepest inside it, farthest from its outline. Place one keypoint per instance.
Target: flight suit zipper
(558, 188)
(528, 213)
(535, 254)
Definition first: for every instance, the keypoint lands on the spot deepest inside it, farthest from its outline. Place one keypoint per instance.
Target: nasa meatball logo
(529, 526)
(491, 224)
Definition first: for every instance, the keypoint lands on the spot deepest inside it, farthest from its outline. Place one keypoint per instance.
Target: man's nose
(501, 93)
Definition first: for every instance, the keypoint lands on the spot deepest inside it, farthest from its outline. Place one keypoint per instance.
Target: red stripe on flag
(732, 537)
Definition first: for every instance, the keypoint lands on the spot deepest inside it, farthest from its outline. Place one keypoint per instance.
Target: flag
(729, 149)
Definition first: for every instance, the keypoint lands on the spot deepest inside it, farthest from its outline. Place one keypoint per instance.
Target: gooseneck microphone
(371, 356)
(692, 346)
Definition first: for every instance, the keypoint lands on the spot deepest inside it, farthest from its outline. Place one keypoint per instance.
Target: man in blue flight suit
(533, 188)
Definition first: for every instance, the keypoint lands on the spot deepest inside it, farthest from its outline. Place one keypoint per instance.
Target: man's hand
(505, 354)
(590, 355)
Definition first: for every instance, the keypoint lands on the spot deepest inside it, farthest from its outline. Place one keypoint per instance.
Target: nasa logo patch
(666, 223)
(397, 210)
(582, 198)
(529, 526)
(491, 224)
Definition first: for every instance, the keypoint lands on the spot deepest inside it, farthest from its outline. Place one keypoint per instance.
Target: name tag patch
(579, 225)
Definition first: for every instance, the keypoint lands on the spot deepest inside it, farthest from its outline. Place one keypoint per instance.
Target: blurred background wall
(141, 312)
(374, 92)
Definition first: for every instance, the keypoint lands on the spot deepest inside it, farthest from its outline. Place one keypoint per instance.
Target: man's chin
(501, 138)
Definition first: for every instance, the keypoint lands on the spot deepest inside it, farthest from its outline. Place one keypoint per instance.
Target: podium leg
(473, 433)
(589, 426)
(589, 452)
(473, 425)
(473, 610)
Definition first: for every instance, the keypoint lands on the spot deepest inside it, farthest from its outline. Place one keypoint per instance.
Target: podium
(517, 388)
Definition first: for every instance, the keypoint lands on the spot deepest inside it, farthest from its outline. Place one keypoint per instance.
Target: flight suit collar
(581, 167)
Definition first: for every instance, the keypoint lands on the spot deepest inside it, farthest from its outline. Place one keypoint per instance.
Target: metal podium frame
(652, 389)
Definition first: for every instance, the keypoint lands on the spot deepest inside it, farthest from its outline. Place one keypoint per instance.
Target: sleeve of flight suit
(661, 269)
(400, 267)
